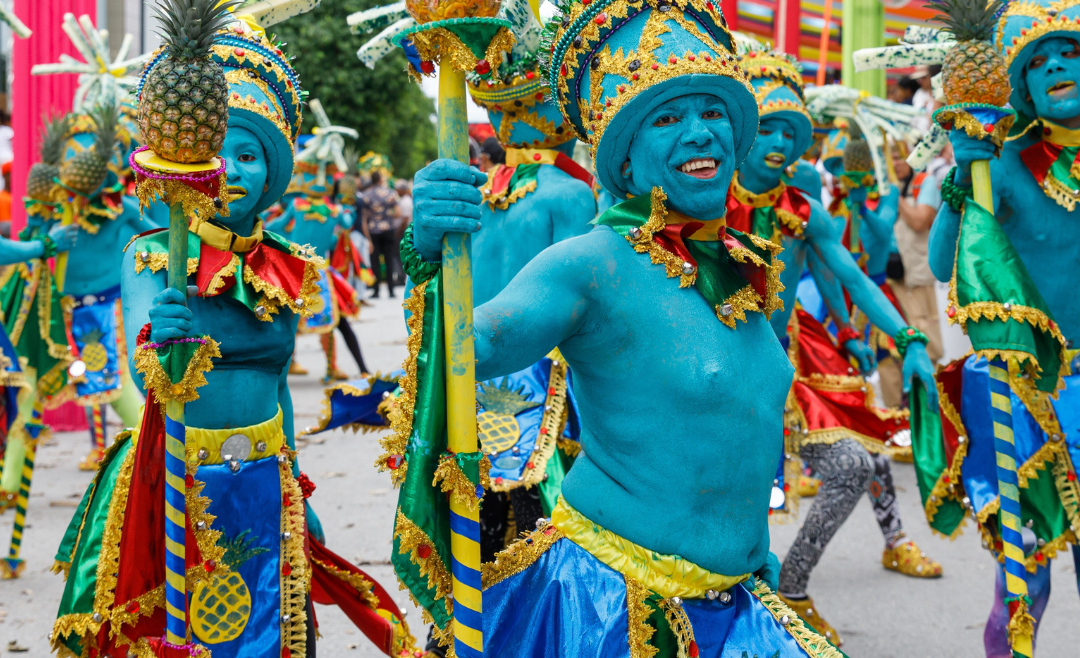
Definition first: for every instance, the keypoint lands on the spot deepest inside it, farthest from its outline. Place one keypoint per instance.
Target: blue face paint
(772, 151)
(680, 133)
(1052, 75)
(245, 166)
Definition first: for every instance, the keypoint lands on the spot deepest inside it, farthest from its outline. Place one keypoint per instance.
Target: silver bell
(635, 232)
(785, 620)
(260, 446)
(203, 454)
(260, 310)
(712, 594)
(97, 617)
(726, 310)
(675, 601)
(688, 268)
(234, 466)
(286, 535)
(144, 256)
(299, 302)
(725, 597)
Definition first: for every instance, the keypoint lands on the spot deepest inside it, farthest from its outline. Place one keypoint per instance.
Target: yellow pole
(980, 183)
(62, 258)
(460, 377)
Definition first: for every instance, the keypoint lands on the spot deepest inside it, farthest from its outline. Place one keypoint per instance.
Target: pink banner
(34, 97)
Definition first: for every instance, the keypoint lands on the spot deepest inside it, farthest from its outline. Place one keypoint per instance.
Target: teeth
(701, 163)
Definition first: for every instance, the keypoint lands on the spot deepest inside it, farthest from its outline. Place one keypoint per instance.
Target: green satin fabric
(931, 461)
(765, 222)
(989, 269)
(81, 545)
(1061, 169)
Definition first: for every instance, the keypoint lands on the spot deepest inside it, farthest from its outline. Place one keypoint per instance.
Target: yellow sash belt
(258, 441)
(667, 575)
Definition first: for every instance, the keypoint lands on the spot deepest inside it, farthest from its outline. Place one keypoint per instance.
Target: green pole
(863, 27)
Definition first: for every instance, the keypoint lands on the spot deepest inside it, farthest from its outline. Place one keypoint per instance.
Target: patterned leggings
(847, 470)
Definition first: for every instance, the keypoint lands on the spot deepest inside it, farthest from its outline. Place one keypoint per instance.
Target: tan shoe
(807, 611)
(910, 561)
(90, 461)
(296, 369)
(808, 486)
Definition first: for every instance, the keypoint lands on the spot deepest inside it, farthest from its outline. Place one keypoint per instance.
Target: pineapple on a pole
(858, 168)
(183, 116)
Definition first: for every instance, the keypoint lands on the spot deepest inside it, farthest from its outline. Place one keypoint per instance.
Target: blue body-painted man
(539, 197)
(1034, 204)
(666, 472)
(106, 222)
(838, 449)
(311, 218)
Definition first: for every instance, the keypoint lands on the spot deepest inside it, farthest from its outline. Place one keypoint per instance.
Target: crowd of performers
(609, 506)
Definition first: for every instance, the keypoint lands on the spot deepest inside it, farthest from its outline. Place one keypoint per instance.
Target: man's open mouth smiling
(703, 168)
(1061, 88)
(775, 160)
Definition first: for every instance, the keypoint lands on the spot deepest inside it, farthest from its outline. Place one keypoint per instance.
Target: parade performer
(93, 195)
(833, 423)
(253, 564)
(655, 541)
(1012, 289)
(32, 314)
(313, 219)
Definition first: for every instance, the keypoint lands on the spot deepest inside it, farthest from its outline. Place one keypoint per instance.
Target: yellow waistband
(206, 447)
(667, 575)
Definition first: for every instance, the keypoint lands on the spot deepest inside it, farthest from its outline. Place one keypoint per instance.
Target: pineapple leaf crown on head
(968, 20)
(502, 399)
(53, 135)
(189, 27)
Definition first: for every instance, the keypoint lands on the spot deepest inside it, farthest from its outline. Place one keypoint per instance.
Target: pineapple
(52, 382)
(94, 354)
(184, 104)
(857, 151)
(347, 184)
(220, 607)
(39, 181)
(497, 426)
(85, 171)
(973, 71)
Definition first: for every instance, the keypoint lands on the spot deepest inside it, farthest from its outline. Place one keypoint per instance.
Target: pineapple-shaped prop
(41, 179)
(497, 425)
(347, 184)
(221, 606)
(975, 81)
(858, 173)
(94, 354)
(183, 115)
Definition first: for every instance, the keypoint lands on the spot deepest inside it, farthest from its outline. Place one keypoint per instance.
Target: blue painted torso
(666, 393)
(94, 263)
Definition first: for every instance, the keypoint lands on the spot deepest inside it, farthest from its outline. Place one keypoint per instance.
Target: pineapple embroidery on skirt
(221, 607)
(96, 327)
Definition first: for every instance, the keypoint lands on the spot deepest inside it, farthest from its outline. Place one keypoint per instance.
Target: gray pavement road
(880, 614)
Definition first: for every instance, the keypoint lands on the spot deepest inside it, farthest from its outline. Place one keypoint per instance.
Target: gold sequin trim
(297, 583)
(452, 480)
(410, 537)
(155, 377)
(401, 422)
(812, 643)
(520, 555)
(639, 630)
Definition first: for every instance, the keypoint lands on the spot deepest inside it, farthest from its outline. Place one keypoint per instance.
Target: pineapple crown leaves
(352, 160)
(238, 549)
(189, 27)
(502, 399)
(968, 20)
(106, 120)
(53, 135)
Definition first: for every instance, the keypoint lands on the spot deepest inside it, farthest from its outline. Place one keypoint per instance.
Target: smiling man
(1035, 183)
(838, 431)
(662, 314)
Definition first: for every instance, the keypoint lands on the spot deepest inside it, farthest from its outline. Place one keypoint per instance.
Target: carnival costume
(831, 420)
(1021, 358)
(602, 594)
(252, 567)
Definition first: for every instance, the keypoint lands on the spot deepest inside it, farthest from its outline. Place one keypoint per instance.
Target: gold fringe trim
(644, 244)
(296, 585)
(945, 486)
(452, 480)
(552, 424)
(154, 376)
(395, 443)
(520, 555)
(742, 301)
(639, 631)
(1021, 624)
(348, 389)
(362, 585)
(439, 44)
(410, 538)
(680, 626)
(507, 198)
(1059, 192)
(961, 118)
(160, 261)
(149, 190)
(813, 644)
(218, 280)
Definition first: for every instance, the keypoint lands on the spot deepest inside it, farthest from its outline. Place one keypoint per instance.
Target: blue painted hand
(917, 364)
(863, 354)
(967, 150)
(445, 200)
(170, 318)
(856, 197)
(685, 145)
(64, 236)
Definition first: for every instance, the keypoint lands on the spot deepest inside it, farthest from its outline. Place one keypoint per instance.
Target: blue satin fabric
(510, 464)
(97, 312)
(348, 407)
(568, 603)
(980, 466)
(324, 314)
(10, 397)
(250, 499)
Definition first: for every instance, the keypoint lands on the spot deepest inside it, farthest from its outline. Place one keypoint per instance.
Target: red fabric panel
(817, 352)
(211, 261)
(344, 294)
(951, 378)
(277, 268)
